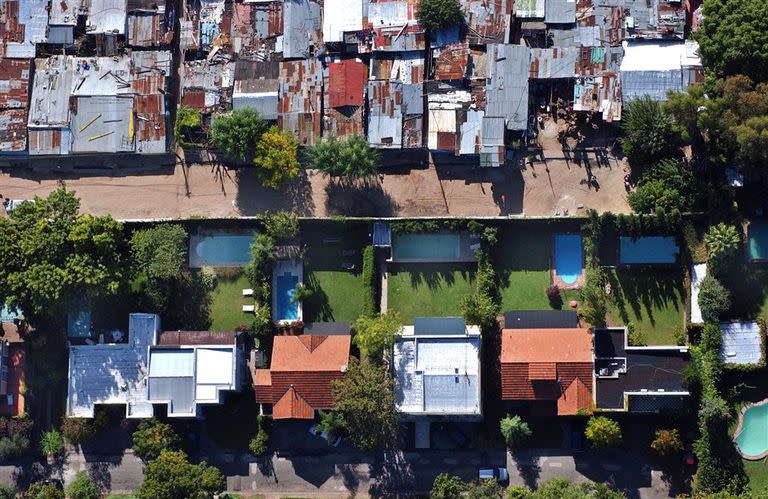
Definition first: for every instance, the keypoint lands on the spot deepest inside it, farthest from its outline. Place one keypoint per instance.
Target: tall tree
(158, 255)
(275, 158)
(447, 486)
(648, 134)
(514, 430)
(733, 38)
(152, 438)
(50, 254)
(667, 185)
(603, 432)
(375, 335)
(723, 242)
(365, 402)
(351, 158)
(238, 132)
(172, 476)
(438, 14)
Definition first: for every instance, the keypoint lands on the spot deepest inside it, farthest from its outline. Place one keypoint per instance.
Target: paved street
(344, 473)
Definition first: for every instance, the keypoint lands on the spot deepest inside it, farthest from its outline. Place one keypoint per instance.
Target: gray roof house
(436, 365)
(179, 369)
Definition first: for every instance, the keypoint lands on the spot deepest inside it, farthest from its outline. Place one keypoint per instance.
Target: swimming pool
(568, 257)
(651, 249)
(752, 433)
(757, 240)
(219, 251)
(285, 310)
(427, 247)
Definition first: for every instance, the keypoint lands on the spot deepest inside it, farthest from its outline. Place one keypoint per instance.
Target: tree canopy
(603, 432)
(648, 134)
(82, 487)
(158, 255)
(733, 39)
(714, 298)
(514, 430)
(237, 133)
(275, 158)
(152, 438)
(172, 476)
(447, 486)
(667, 185)
(43, 490)
(365, 402)
(49, 254)
(438, 14)
(351, 158)
(375, 335)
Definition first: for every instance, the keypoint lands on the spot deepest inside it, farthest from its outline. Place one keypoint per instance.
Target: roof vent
(344, 368)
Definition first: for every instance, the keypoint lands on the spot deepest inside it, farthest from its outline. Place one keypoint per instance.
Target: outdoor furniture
(248, 292)
(348, 266)
(249, 308)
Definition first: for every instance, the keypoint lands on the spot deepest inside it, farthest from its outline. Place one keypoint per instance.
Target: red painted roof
(302, 371)
(346, 83)
(543, 364)
(16, 373)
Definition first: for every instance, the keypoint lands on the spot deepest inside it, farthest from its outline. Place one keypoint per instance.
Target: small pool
(285, 310)
(568, 257)
(651, 249)
(219, 251)
(427, 247)
(752, 434)
(757, 241)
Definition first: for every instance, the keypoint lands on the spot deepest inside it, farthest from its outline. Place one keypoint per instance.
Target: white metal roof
(741, 342)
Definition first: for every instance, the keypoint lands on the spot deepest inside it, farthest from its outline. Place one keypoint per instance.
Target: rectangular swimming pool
(757, 240)
(219, 251)
(285, 310)
(427, 247)
(651, 249)
(568, 257)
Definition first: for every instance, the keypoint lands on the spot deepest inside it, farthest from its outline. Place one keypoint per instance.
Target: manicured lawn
(331, 249)
(522, 263)
(429, 289)
(749, 291)
(227, 302)
(653, 299)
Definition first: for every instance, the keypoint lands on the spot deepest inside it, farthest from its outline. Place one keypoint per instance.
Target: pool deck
(294, 268)
(560, 283)
(738, 431)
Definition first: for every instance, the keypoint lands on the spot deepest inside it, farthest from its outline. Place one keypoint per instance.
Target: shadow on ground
(359, 198)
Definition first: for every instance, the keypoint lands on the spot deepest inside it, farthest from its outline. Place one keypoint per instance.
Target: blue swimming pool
(285, 310)
(220, 251)
(752, 439)
(427, 247)
(757, 240)
(568, 257)
(651, 249)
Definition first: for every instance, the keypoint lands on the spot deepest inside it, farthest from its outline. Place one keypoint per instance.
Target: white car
(498, 474)
(314, 431)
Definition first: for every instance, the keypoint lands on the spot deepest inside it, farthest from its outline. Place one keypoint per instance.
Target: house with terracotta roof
(302, 370)
(551, 369)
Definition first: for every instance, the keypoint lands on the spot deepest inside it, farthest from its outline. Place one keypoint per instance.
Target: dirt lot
(542, 188)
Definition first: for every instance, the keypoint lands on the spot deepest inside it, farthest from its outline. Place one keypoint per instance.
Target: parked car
(498, 474)
(313, 430)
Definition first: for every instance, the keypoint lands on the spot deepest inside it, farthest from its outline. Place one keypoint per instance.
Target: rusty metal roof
(450, 61)
(487, 20)
(300, 99)
(13, 129)
(346, 83)
(14, 83)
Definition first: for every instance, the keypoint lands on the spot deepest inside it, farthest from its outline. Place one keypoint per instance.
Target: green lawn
(429, 289)
(522, 262)
(227, 302)
(749, 291)
(331, 248)
(653, 299)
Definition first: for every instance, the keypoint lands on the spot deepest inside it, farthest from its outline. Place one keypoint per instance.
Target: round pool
(751, 436)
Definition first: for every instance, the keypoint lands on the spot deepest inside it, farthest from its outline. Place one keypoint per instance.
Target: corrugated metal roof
(488, 20)
(560, 11)
(507, 84)
(741, 342)
(406, 67)
(301, 93)
(346, 83)
(13, 130)
(554, 62)
(529, 8)
(302, 31)
(263, 103)
(65, 12)
(145, 29)
(385, 118)
(340, 16)
(106, 16)
(22, 27)
(450, 61)
(654, 84)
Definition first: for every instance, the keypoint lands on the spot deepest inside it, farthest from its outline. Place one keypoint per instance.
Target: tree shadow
(189, 304)
(435, 275)
(528, 467)
(391, 474)
(316, 307)
(359, 198)
(350, 477)
(645, 291)
(253, 198)
(101, 476)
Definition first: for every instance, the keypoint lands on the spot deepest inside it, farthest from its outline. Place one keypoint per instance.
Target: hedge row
(370, 307)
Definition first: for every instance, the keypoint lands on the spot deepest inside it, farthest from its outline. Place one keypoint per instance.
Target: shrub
(648, 134)
(514, 430)
(667, 443)
(7, 491)
(517, 492)
(187, 122)
(301, 292)
(152, 437)
(375, 335)
(351, 158)
(282, 225)
(78, 430)
(447, 486)
(479, 309)
(438, 14)
(723, 242)
(82, 487)
(714, 410)
(369, 307)
(603, 432)
(664, 187)
(681, 336)
(330, 423)
(636, 337)
(594, 306)
(13, 446)
(52, 443)
(554, 296)
(714, 299)
(43, 490)
(259, 444)
(485, 489)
